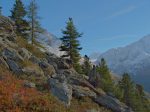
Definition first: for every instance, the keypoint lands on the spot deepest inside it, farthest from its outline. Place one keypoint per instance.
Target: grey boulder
(9, 53)
(29, 84)
(61, 90)
(24, 53)
(80, 91)
(47, 68)
(13, 66)
(3, 62)
(112, 103)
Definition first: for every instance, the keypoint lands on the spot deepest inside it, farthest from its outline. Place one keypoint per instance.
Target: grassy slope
(14, 97)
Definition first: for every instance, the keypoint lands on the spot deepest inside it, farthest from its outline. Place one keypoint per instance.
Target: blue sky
(105, 23)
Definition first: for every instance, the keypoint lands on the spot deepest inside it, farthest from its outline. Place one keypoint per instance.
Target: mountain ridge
(133, 59)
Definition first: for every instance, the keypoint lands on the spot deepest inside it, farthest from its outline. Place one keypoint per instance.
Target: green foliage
(34, 49)
(34, 20)
(131, 94)
(106, 80)
(127, 87)
(86, 65)
(70, 44)
(18, 14)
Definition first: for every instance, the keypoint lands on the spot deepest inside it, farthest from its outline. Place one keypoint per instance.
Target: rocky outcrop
(94, 77)
(33, 70)
(7, 28)
(4, 42)
(3, 62)
(61, 90)
(79, 92)
(47, 68)
(24, 53)
(80, 88)
(64, 82)
(13, 66)
(29, 84)
(58, 63)
(34, 60)
(112, 103)
(9, 53)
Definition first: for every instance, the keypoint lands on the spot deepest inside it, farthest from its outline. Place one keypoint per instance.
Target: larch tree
(71, 45)
(18, 14)
(34, 20)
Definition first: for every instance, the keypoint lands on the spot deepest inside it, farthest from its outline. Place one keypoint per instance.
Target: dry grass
(32, 48)
(85, 104)
(15, 97)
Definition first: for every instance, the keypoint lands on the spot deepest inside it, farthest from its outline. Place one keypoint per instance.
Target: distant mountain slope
(94, 56)
(50, 42)
(134, 59)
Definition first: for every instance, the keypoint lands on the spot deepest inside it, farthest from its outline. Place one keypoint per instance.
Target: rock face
(58, 63)
(29, 84)
(61, 90)
(4, 42)
(34, 60)
(94, 77)
(47, 68)
(24, 53)
(69, 84)
(9, 53)
(14, 66)
(79, 92)
(112, 103)
(30, 70)
(3, 62)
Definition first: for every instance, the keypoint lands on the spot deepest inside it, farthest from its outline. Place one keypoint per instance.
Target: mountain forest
(34, 79)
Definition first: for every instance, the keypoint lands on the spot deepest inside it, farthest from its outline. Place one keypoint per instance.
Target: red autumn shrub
(14, 97)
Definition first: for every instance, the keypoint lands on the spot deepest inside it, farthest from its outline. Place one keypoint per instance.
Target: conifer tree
(106, 80)
(86, 65)
(140, 102)
(34, 20)
(133, 95)
(127, 87)
(18, 14)
(71, 45)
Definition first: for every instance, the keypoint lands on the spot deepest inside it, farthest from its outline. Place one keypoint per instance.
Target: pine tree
(140, 90)
(71, 45)
(34, 20)
(106, 80)
(86, 65)
(18, 14)
(133, 94)
(127, 87)
(141, 103)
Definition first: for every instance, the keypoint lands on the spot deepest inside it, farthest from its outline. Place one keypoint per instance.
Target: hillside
(33, 80)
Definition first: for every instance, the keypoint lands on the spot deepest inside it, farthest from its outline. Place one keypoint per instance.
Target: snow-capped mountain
(133, 59)
(50, 42)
